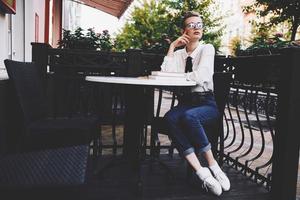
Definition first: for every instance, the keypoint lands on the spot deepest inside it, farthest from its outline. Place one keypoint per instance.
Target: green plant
(235, 45)
(154, 24)
(104, 41)
(269, 45)
(90, 40)
(274, 12)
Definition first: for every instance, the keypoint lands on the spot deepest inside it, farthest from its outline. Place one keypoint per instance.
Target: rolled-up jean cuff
(188, 151)
(205, 149)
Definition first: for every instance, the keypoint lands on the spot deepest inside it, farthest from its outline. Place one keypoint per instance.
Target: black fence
(262, 109)
(251, 115)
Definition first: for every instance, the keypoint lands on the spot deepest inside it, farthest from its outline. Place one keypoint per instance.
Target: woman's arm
(172, 60)
(170, 64)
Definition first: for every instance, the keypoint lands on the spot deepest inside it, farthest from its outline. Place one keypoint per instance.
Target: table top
(139, 81)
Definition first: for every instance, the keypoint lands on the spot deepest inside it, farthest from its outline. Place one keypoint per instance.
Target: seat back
(2, 141)
(160, 95)
(29, 89)
(222, 82)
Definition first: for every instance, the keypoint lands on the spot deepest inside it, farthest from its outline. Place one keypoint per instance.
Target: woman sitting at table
(196, 107)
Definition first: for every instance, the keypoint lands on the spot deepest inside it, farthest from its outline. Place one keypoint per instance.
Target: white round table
(139, 81)
(136, 104)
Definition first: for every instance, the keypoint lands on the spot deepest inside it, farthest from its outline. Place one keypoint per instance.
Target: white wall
(32, 7)
(23, 30)
(3, 39)
(18, 32)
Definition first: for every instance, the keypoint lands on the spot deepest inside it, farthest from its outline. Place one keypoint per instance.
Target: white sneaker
(209, 182)
(223, 179)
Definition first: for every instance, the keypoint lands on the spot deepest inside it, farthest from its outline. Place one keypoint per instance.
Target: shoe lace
(205, 185)
(220, 176)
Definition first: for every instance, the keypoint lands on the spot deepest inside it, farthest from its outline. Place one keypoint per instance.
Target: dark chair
(158, 124)
(222, 82)
(40, 130)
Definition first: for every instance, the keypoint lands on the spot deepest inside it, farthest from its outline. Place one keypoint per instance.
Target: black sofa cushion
(52, 173)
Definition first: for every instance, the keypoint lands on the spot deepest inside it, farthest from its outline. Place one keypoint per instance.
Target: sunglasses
(192, 25)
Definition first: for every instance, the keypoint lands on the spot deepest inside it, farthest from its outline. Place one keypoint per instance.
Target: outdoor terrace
(258, 153)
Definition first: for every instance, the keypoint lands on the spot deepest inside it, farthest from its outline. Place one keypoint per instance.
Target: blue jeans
(186, 125)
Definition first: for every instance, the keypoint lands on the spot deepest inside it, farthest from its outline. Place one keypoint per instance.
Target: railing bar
(233, 127)
(260, 115)
(160, 93)
(250, 131)
(247, 169)
(68, 98)
(227, 127)
(262, 90)
(261, 132)
(271, 133)
(96, 95)
(99, 141)
(269, 166)
(241, 126)
(173, 99)
(114, 113)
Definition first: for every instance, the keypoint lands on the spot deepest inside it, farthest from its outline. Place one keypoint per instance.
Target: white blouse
(203, 66)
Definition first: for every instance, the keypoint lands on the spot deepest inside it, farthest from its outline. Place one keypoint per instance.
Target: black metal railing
(250, 115)
(250, 132)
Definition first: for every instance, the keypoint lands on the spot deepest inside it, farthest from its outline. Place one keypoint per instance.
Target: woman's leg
(194, 120)
(175, 130)
(193, 161)
(179, 136)
(209, 157)
(185, 126)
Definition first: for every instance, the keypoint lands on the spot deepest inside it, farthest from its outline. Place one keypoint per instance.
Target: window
(9, 36)
(36, 26)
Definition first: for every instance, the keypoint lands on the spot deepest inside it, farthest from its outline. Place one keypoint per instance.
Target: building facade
(71, 15)
(20, 29)
(237, 23)
(31, 21)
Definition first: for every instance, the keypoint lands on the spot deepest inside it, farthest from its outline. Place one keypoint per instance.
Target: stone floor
(119, 181)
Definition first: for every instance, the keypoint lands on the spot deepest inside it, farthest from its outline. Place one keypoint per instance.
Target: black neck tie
(188, 64)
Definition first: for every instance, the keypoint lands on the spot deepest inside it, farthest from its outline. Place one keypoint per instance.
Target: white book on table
(172, 78)
(167, 74)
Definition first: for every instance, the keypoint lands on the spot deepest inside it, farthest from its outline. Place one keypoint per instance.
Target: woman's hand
(184, 39)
